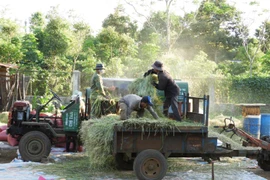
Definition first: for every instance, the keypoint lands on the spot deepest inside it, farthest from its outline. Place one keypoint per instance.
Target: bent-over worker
(133, 102)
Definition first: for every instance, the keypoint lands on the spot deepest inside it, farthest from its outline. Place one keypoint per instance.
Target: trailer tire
(150, 164)
(34, 146)
(121, 164)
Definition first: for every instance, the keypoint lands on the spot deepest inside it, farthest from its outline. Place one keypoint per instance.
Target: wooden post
(213, 173)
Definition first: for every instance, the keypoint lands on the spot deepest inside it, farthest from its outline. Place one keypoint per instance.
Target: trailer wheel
(121, 164)
(150, 164)
(34, 146)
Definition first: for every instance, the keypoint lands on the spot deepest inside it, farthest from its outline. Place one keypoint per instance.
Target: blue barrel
(265, 124)
(252, 125)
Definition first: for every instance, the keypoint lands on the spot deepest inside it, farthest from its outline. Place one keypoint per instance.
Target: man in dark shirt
(170, 88)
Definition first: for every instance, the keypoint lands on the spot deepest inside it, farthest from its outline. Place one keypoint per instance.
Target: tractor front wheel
(34, 146)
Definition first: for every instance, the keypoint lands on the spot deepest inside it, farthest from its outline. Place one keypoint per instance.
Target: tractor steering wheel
(56, 96)
(229, 124)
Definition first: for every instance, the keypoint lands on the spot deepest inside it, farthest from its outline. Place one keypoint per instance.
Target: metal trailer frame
(145, 151)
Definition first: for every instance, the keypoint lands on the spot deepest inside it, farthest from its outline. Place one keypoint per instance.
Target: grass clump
(97, 137)
(77, 167)
(143, 87)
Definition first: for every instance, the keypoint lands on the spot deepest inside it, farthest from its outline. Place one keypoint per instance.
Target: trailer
(146, 151)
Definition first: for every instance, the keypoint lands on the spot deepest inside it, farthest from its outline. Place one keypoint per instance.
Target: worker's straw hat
(99, 67)
(158, 65)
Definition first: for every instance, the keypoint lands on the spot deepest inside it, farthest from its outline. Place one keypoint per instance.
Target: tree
(80, 32)
(250, 45)
(250, 55)
(263, 35)
(37, 21)
(110, 44)
(167, 16)
(10, 43)
(121, 23)
(149, 51)
(56, 37)
(8, 29)
(33, 58)
(10, 52)
(216, 30)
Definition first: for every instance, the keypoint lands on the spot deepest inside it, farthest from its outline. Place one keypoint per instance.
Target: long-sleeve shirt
(167, 84)
(96, 85)
(133, 103)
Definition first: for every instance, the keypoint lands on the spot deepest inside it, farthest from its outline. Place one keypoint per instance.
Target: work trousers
(173, 102)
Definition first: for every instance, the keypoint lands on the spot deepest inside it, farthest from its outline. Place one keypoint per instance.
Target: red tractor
(37, 132)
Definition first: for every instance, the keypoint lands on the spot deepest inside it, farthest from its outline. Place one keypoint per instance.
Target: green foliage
(32, 56)
(37, 101)
(37, 21)
(250, 89)
(115, 65)
(79, 34)
(55, 46)
(250, 57)
(10, 53)
(149, 51)
(232, 68)
(110, 44)
(56, 37)
(10, 42)
(121, 23)
(266, 63)
(216, 29)
(8, 29)
(263, 33)
(133, 67)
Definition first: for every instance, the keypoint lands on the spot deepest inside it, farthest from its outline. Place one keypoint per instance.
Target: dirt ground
(202, 171)
(239, 168)
(7, 152)
(258, 171)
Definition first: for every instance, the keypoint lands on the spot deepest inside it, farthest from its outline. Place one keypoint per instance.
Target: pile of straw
(143, 87)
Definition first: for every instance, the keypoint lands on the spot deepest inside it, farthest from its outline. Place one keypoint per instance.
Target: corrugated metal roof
(9, 65)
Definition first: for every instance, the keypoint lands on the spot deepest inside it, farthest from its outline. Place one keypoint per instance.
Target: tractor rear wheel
(34, 146)
(150, 164)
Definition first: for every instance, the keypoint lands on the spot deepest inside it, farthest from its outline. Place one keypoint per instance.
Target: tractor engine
(20, 111)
